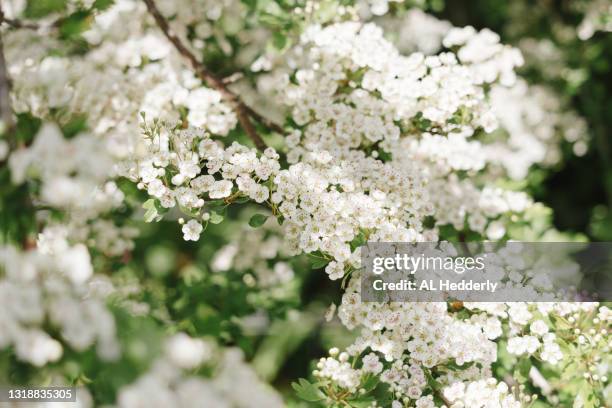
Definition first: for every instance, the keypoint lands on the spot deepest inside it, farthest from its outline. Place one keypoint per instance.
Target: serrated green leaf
(307, 391)
(215, 217)
(154, 210)
(151, 210)
(258, 220)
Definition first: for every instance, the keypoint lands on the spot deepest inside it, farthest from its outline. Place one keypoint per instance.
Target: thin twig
(14, 23)
(243, 112)
(236, 76)
(29, 25)
(245, 122)
(443, 398)
(264, 121)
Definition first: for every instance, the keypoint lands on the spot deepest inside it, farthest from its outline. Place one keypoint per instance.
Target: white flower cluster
(50, 288)
(326, 205)
(481, 394)
(545, 56)
(251, 253)
(339, 371)
(416, 31)
(222, 22)
(354, 93)
(390, 132)
(408, 381)
(532, 120)
(81, 182)
(375, 7)
(488, 59)
(540, 339)
(131, 68)
(73, 179)
(381, 145)
(187, 167)
(428, 332)
(384, 145)
(597, 17)
(75, 184)
(348, 64)
(167, 385)
(460, 341)
(535, 123)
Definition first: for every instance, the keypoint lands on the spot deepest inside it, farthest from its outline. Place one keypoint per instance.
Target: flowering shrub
(188, 184)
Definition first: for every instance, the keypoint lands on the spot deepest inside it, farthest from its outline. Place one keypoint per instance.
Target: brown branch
(29, 25)
(443, 398)
(243, 112)
(245, 122)
(264, 121)
(14, 23)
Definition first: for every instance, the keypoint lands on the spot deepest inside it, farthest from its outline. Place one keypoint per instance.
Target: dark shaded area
(573, 193)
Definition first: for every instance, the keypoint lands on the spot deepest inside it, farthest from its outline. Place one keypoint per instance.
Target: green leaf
(258, 220)
(215, 217)
(453, 366)
(280, 41)
(41, 8)
(213, 204)
(73, 25)
(151, 210)
(154, 210)
(431, 381)
(362, 402)
(318, 262)
(242, 200)
(358, 241)
(102, 4)
(586, 397)
(307, 391)
(75, 126)
(27, 127)
(522, 370)
(370, 383)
